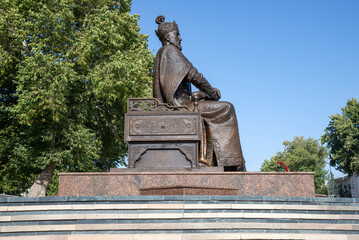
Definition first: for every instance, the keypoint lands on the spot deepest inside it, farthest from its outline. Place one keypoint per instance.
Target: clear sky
(285, 65)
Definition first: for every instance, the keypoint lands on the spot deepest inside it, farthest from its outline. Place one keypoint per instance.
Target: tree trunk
(38, 189)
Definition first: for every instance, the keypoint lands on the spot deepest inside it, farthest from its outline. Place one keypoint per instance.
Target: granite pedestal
(291, 184)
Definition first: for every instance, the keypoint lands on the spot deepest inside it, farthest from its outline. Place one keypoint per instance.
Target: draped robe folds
(220, 144)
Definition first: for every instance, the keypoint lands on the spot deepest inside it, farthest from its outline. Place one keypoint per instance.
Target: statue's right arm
(202, 84)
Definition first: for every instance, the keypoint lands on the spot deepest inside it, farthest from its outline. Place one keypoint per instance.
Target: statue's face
(175, 39)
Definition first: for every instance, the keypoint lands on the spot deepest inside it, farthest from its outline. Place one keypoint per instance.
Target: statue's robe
(172, 78)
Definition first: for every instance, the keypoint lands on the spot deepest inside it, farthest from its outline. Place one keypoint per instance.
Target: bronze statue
(172, 79)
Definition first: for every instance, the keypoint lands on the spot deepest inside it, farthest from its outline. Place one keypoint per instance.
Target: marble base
(290, 184)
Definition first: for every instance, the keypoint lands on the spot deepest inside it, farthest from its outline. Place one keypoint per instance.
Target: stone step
(209, 215)
(179, 226)
(217, 199)
(176, 206)
(178, 217)
(189, 236)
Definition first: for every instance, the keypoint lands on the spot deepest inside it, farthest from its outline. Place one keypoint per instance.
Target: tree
(301, 155)
(66, 71)
(342, 138)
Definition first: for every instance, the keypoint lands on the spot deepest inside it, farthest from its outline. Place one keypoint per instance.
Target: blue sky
(285, 65)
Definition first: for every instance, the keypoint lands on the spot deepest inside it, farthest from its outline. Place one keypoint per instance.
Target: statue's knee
(229, 105)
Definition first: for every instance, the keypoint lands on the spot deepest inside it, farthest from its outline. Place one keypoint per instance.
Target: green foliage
(67, 68)
(301, 155)
(342, 138)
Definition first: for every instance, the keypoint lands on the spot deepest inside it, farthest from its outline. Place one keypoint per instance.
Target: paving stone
(101, 237)
(44, 217)
(53, 199)
(166, 206)
(208, 206)
(39, 207)
(37, 237)
(5, 218)
(37, 228)
(268, 236)
(104, 227)
(160, 216)
(111, 216)
(22, 199)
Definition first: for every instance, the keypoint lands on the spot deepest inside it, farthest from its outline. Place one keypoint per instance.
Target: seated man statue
(172, 78)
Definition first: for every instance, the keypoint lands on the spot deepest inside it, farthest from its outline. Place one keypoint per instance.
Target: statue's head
(168, 32)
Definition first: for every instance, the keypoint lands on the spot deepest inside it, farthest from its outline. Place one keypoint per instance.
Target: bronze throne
(161, 136)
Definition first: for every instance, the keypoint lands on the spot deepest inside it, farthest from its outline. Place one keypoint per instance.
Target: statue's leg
(222, 135)
(203, 160)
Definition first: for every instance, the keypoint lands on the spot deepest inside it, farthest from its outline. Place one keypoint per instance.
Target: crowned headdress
(165, 27)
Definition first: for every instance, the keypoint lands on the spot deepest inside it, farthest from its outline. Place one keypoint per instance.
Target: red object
(286, 168)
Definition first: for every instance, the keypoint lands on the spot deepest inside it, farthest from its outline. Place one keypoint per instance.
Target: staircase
(178, 217)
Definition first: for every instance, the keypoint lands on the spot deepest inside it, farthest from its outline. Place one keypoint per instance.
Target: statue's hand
(197, 96)
(218, 93)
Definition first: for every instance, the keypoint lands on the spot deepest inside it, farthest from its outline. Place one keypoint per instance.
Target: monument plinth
(291, 184)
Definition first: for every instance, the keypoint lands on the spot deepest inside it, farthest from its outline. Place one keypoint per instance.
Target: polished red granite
(293, 184)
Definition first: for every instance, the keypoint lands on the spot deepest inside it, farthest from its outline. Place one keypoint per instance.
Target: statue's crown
(165, 27)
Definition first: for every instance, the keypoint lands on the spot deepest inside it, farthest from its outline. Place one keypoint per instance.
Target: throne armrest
(151, 105)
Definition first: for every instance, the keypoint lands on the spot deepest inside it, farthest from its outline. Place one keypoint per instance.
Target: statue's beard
(177, 44)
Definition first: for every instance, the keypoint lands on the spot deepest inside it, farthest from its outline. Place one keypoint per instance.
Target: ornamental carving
(137, 152)
(150, 104)
(188, 150)
(162, 126)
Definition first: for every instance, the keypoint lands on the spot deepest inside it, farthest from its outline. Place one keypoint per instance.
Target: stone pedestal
(123, 182)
